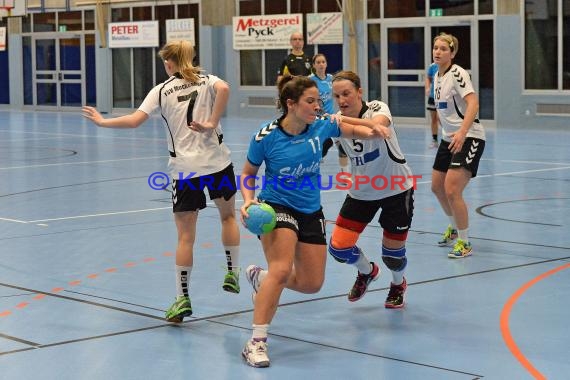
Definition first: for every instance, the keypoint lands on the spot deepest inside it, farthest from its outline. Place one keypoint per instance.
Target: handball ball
(261, 218)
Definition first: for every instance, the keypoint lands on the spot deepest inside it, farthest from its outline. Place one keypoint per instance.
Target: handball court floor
(87, 268)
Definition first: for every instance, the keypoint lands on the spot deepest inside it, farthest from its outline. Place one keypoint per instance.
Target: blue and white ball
(261, 218)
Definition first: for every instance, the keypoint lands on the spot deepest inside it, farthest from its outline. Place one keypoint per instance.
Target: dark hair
(292, 87)
(348, 75)
(317, 56)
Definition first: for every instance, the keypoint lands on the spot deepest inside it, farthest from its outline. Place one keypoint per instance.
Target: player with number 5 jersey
(463, 141)
(369, 159)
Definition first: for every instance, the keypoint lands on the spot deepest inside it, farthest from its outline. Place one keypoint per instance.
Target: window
(544, 35)
(259, 67)
(137, 70)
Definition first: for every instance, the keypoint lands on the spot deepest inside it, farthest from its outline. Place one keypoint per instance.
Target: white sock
(363, 264)
(345, 169)
(232, 257)
(463, 235)
(261, 275)
(260, 332)
(182, 280)
(397, 277)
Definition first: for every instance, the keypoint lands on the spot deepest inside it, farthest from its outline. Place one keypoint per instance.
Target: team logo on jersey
(375, 106)
(458, 77)
(265, 131)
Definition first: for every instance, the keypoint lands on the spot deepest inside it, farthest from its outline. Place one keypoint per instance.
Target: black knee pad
(397, 264)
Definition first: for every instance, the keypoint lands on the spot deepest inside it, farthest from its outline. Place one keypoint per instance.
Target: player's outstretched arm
(132, 120)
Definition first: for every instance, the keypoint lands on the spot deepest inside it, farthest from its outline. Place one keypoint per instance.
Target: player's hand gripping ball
(261, 218)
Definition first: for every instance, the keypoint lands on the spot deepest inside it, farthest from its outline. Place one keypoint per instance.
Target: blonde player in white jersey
(462, 145)
(381, 180)
(191, 105)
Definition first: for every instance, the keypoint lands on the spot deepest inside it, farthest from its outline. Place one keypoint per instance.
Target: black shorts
(395, 217)
(430, 104)
(468, 158)
(188, 195)
(310, 228)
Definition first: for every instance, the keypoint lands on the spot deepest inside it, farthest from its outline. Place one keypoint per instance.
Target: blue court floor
(87, 268)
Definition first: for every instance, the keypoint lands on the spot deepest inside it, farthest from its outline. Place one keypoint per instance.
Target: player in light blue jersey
(295, 250)
(434, 122)
(324, 84)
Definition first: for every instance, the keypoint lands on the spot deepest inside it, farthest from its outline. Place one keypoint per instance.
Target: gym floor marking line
(504, 321)
(93, 276)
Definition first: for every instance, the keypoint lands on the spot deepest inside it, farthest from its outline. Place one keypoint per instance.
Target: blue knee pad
(395, 259)
(345, 255)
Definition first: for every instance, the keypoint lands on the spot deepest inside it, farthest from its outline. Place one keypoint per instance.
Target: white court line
(501, 160)
(14, 220)
(481, 176)
(56, 135)
(240, 200)
(103, 214)
(93, 162)
(81, 163)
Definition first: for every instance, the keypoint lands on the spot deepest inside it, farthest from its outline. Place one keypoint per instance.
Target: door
(58, 70)
(408, 48)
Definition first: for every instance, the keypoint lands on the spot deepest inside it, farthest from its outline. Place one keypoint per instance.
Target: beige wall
(508, 7)
(218, 12)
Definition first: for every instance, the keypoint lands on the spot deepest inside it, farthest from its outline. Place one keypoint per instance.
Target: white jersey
(381, 161)
(180, 102)
(450, 89)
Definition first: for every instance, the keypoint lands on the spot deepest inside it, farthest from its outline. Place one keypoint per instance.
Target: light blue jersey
(325, 91)
(292, 163)
(432, 69)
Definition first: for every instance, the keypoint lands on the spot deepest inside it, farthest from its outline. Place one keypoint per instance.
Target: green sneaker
(448, 237)
(180, 308)
(231, 282)
(460, 250)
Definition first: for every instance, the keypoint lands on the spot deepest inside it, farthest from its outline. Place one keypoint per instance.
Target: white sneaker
(255, 353)
(252, 273)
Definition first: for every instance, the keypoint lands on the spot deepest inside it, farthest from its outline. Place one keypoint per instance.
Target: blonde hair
(181, 53)
(451, 40)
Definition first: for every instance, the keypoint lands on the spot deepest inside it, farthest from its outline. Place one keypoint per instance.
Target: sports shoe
(460, 250)
(180, 308)
(255, 353)
(395, 299)
(433, 144)
(362, 281)
(231, 282)
(448, 237)
(252, 274)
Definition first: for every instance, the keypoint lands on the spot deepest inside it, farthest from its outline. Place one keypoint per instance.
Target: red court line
(509, 341)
